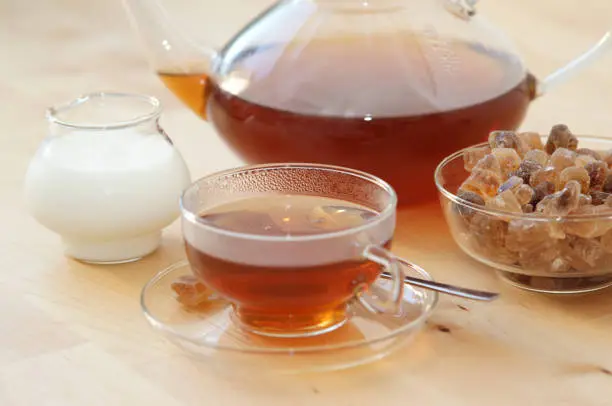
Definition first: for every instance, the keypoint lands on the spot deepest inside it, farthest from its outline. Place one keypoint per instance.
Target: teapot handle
(575, 66)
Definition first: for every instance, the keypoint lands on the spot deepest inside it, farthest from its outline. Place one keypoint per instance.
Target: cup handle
(392, 303)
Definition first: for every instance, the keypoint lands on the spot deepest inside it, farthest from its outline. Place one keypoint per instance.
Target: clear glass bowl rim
(534, 217)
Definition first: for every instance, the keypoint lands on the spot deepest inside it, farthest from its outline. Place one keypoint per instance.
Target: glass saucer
(209, 332)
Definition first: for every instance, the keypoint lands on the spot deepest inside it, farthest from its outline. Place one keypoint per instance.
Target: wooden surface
(73, 334)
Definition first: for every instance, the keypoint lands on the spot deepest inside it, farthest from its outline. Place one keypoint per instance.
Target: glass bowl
(209, 332)
(569, 254)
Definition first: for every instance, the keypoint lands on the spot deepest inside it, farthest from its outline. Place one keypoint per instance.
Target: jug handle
(577, 65)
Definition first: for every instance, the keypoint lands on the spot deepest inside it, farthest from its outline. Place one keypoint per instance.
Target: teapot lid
(416, 57)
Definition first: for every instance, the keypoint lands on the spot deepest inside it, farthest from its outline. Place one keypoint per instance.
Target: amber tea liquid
(395, 112)
(304, 296)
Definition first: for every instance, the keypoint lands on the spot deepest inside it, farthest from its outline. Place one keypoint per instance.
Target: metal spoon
(465, 293)
(437, 286)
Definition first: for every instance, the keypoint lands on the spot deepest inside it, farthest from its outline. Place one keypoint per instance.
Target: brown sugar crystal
(552, 202)
(561, 137)
(190, 291)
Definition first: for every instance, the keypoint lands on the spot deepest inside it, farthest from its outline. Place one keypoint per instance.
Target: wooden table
(73, 334)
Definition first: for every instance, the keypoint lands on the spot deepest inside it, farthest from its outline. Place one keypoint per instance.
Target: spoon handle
(465, 293)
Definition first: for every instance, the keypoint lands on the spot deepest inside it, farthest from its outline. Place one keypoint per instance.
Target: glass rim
(438, 176)
(385, 213)
(155, 112)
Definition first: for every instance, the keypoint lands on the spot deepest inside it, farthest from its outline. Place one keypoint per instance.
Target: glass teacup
(291, 246)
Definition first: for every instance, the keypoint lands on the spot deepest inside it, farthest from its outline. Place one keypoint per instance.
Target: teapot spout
(169, 49)
(175, 57)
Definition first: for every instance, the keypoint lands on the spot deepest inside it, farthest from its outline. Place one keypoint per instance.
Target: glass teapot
(389, 87)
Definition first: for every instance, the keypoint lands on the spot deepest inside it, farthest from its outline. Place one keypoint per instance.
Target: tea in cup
(291, 246)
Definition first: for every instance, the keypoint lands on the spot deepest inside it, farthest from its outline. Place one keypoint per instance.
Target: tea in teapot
(388, 87)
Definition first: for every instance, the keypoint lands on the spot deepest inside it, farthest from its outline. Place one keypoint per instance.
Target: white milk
(107, 193)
